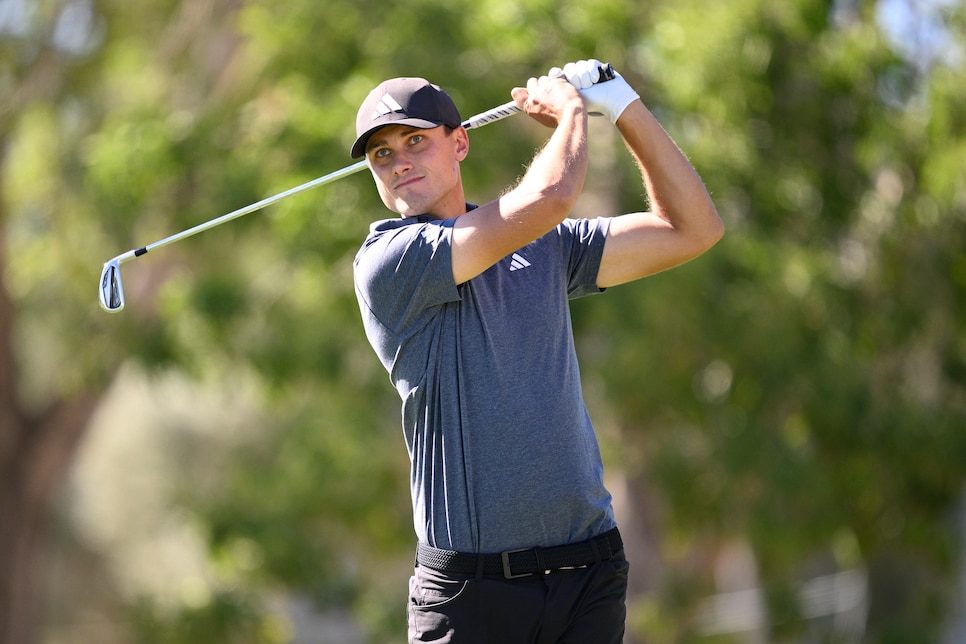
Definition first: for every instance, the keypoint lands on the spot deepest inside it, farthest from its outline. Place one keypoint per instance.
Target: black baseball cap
(403, 101)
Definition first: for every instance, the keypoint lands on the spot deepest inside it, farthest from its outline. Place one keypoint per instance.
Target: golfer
(467, 308)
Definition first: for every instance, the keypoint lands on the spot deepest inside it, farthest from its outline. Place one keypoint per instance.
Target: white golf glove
(609, 98)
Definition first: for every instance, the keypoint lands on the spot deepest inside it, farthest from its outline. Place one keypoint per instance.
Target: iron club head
(111, 291)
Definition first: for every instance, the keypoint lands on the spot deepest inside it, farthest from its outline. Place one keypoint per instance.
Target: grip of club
(509, 109)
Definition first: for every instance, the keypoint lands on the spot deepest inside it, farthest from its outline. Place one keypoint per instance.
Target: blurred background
(782, 420)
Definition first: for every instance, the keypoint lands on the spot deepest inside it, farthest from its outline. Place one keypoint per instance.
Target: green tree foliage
(800, 388)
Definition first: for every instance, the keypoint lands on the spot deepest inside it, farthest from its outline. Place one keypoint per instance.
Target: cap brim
(359, 147)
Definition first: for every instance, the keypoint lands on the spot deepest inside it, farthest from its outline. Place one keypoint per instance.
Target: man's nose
(401, 162)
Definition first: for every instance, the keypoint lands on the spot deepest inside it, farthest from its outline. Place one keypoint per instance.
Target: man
(467, 308)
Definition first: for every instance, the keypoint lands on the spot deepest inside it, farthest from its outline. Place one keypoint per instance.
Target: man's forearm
(677, 193)
(558, 171)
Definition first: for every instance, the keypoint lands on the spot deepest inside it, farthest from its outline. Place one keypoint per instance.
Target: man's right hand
(547, 98)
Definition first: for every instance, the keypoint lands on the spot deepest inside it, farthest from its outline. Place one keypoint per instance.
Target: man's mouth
(406, 182)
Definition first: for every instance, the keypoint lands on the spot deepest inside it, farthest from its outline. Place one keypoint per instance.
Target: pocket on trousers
(620, 566)
(436, 607)
(429, 590)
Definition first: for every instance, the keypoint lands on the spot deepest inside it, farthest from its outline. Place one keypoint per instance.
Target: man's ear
(462, 143)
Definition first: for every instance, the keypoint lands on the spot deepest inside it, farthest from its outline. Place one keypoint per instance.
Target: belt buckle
(505, 556)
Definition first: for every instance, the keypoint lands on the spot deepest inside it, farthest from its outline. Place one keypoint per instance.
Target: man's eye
(381, 153)
(415, 138)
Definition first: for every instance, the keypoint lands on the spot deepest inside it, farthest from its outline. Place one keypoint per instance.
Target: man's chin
(405, 209)
(401, 208)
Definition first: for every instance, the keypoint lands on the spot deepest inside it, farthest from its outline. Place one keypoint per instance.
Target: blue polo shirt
(502, 448)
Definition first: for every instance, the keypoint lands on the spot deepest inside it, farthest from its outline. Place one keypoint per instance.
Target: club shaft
(258, 205)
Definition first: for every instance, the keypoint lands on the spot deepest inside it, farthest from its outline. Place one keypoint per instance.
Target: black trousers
(576, 606)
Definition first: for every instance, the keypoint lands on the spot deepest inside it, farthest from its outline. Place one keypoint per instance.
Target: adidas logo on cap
(386, 105)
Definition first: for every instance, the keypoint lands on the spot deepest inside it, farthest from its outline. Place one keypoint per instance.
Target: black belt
(511, 564)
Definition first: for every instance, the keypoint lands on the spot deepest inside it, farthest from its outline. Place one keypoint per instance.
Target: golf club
(111, 290)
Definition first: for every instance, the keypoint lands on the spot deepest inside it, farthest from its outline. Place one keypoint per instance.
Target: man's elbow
(562, 196)
(716, 228)
(554, 202)
(709, 232)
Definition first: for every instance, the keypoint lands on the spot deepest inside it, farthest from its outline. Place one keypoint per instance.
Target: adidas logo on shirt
(386, 105)
(518, 262)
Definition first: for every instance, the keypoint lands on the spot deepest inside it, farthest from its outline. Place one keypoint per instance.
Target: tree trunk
(35, 453)
(33, 463)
